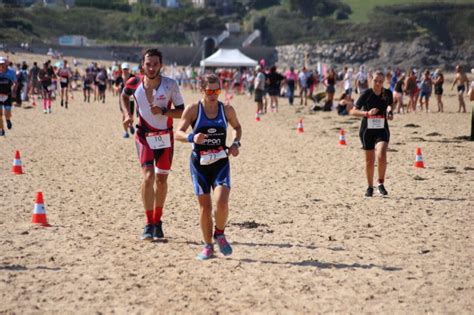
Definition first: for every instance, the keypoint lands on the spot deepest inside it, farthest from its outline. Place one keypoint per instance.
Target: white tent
(228, 58)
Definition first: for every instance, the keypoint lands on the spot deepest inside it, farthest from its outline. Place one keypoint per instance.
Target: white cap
(258, 68)
(125, 66)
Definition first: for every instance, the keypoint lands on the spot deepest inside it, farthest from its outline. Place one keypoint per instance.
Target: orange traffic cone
(17, 169)
(257, 117)
(300, 128)
(419, 159)
(39, 212)
(342, 137)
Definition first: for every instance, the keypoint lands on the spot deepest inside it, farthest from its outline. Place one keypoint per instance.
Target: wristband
(191, 138)
(366, 114)
(164, 110)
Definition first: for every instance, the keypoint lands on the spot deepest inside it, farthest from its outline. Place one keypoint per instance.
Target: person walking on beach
(398, 94)
(362, 80)
(65, 74)
(426, 89)
(154, 137)
(375, 108)
(210, 167)
(291, 78)
(259, 89)
(462, 83)
(120, 82)
(46, 76)
(274, 85)
(438, 89)
(8, 86)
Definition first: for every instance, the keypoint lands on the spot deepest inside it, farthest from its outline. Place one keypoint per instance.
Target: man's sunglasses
(210, 92)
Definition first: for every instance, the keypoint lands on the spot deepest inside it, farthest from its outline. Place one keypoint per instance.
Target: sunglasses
(210, 92)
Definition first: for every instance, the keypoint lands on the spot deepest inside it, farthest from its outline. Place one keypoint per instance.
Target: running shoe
(9, 124)
(2, 132)
(126, 135)
(148, 232)
(132, 130)
(382, 190)
(206, 253)
(369, 192)
(224, 246)
(49, 110)
(158, 231)
(45, 111)
(62, 103)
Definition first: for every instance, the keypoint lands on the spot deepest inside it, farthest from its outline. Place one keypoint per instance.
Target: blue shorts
(205, 177)
(425, 94)
(8, 108)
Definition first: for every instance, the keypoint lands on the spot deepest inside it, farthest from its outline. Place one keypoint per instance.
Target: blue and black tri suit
(218, 173)
(7, 80)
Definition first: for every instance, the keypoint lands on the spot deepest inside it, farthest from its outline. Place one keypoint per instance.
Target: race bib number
(50, 87)
(212, 156)
(158, 141)
(3, 97)
(375, 122)
(63, 80)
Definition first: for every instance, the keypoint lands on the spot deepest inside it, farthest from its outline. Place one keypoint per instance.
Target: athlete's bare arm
(176, 112)
(128, 120)
(188, 116)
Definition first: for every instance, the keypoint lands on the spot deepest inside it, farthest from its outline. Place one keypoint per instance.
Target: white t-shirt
(166, 94)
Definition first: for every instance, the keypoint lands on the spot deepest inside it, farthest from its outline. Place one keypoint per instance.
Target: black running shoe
(148, 232)
(9, 124)
(158, 231)
(382, 190)
(62, 103)
(369, 192)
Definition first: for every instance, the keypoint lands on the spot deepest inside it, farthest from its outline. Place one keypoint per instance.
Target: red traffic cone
(299, 128)
(419, 159)
(342, 137)
(39, 211)
(257, 117)
(17, 169)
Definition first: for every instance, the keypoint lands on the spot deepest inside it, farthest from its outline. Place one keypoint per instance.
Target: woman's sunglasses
(210, 92)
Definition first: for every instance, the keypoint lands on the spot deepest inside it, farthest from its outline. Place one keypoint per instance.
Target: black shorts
(438, 90)
(259, 95)
(370, 137)
(102, 87)
(63, 85)
(274, 91)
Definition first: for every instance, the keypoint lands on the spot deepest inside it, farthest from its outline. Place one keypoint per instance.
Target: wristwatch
(164, 110)
(237, 143)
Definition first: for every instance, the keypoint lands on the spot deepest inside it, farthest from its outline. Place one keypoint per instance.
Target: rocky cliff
(423, 52)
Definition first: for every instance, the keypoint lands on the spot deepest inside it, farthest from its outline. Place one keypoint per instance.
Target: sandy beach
(305, 239)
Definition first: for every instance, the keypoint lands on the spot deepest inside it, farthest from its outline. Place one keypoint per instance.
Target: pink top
(289, 75)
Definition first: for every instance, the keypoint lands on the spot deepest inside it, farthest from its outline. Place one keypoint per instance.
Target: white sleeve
(176, 97)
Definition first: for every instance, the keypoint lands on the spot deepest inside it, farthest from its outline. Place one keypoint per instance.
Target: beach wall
(181, 55)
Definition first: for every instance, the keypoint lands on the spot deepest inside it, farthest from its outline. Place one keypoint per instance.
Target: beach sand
(305, 240)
